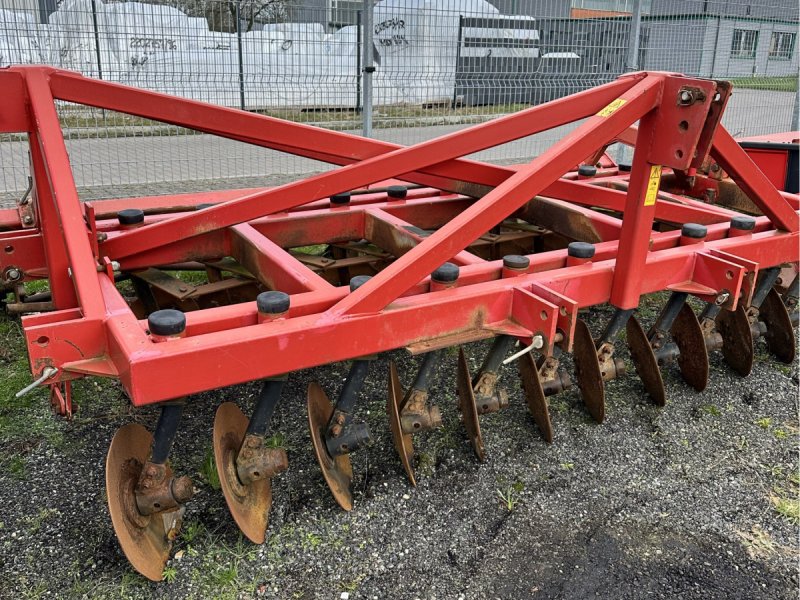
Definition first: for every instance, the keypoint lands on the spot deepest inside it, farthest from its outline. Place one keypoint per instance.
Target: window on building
(744, 43)
(781, 44)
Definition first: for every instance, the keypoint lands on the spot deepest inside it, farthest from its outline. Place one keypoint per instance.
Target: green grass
(777, 84)
(208, 470)
(25, 422)
(711, 409)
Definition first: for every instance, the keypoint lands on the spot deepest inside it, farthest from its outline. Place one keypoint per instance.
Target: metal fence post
(359, 51)
(97, 41)
(635, 33)
(367, 69)
(239, 43)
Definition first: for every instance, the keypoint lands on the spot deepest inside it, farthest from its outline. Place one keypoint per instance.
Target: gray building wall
(702, 47)
(533, 8)
(762, 9)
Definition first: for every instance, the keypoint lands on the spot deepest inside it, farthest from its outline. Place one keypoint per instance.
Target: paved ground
(184, 158)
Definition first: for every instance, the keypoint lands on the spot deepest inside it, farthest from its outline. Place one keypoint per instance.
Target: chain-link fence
(438, 66)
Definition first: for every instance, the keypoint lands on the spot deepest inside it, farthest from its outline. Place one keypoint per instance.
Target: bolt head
(27, 219)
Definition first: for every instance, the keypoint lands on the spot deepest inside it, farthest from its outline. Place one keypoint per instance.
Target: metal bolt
(686, 97)
(722, 298)
(27, 219)
(102, 237)
(13, 274)
(114, 265)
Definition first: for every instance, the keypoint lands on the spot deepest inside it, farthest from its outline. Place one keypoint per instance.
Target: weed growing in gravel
(786, 499)
(758, 542)
(711, 409)
(208, 470)
(191, 530)
(780, 434)
(568, 466)
(277, 441)
(764, 422)
(509, 498)
(169, 574)
(36, 521)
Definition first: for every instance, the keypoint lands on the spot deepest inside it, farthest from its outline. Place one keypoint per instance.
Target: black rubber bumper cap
(743, 223)
(166, 322)
(587, 170)
(343, 198)
(272, 303)
(447, 273)
(694, 230)
(516, 261)
(359, 280)
(580, 250)
(397, 192)
(130, 216)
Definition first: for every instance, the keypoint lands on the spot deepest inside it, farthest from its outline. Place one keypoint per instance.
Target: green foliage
(208, 470)
(169, 574)
(764, 422)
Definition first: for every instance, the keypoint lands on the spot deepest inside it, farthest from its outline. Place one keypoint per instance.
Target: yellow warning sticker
(652, 185)
(611, 108)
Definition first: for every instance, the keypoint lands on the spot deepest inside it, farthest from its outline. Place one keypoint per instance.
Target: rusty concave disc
(402, 441)
(143, 538)
(466, 401)
(780, 333)
(337, 471)
(587, 371)
(693, 357)
(534, 395)
(645, 361)
(249, 504)
(737, 339)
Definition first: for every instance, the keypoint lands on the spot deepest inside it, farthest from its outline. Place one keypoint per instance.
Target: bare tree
(221, 14)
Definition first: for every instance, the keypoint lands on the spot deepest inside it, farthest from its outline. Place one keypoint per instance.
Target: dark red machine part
(400, 247)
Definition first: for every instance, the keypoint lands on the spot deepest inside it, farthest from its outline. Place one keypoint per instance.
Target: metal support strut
(488, 397)
(415, 414)
(343, 435)
(157, 490)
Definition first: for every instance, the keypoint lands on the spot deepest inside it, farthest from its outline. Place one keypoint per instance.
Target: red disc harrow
(400, 247)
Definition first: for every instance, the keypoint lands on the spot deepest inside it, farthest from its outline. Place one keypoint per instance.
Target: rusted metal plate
(534, 396)
(737, 339)
(403, 442)
(645, 361)
(587, 372)
(143, 538)
(780, 333)
(466, 402)
(338, 472)
(693, 357)
(249, 504)
(166, 283)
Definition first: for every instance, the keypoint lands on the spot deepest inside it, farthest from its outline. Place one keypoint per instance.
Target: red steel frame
(93, 331)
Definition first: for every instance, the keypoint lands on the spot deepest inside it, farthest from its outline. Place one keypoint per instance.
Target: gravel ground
(654, 503)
